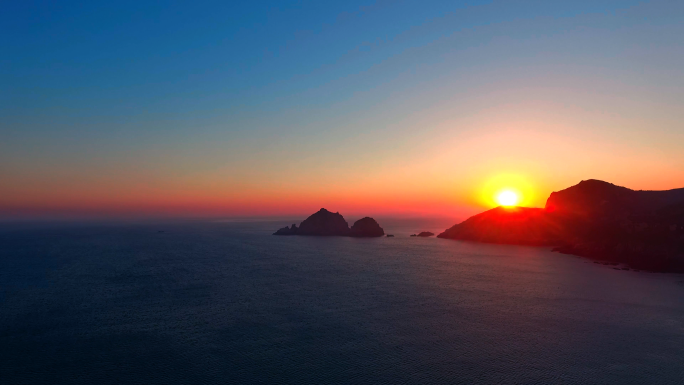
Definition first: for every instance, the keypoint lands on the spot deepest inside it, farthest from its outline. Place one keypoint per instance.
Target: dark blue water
(218, 303)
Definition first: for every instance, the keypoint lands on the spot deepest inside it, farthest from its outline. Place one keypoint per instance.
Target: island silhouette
(326, 223)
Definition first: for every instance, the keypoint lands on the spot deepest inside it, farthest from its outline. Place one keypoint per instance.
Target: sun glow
(507, 198)
(507, 189)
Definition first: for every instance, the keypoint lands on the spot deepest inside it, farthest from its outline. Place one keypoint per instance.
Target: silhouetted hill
(512, 225)
(595, 200)
(324, 222)
(673, 213)
(366, 227)
(595, 219)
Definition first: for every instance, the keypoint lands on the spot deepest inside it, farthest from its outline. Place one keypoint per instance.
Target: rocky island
(366, 227)
(326, 223)
(596, 219)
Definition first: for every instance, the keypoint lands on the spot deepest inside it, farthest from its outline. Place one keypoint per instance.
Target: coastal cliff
(598, 200)
(644, 229)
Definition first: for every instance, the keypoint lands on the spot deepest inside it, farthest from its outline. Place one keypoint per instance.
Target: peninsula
(596, 219)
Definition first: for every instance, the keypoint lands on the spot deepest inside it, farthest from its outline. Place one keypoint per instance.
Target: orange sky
(452, 175)
(427, 114)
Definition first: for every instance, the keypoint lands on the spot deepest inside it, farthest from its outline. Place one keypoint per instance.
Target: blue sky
(119, 59)
(180, 93)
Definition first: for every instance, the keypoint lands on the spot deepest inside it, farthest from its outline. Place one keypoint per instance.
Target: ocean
(225, 302)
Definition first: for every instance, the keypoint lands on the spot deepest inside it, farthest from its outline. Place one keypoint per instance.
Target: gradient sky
(272, 108)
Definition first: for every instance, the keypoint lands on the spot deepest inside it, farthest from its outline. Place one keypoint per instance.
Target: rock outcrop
(326, 223)
(425, 234)
(366, 227)
(287, 230)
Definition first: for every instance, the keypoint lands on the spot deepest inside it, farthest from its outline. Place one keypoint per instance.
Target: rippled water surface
(226, 302)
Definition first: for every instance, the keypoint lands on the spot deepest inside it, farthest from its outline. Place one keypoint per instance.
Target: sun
(507, 190)
(507, 198)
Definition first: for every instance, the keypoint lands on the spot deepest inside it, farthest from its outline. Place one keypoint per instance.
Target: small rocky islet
(326, 223)
(423, 234)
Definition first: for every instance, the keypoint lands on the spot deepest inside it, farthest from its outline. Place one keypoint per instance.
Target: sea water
(220, 302)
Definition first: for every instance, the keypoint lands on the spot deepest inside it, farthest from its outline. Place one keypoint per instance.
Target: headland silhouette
(596, 219)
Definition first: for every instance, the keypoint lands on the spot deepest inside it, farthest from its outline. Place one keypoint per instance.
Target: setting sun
(507, 198)
(508, 189)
